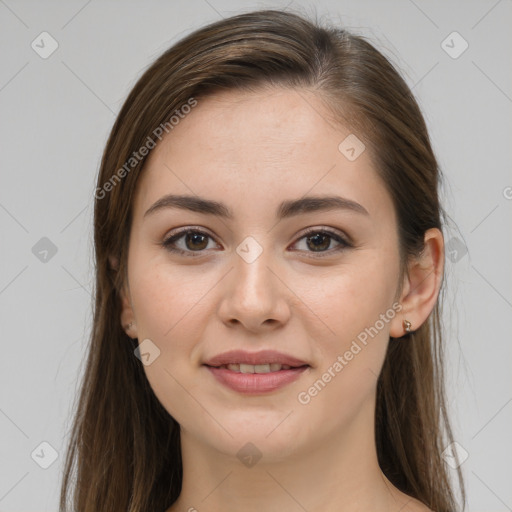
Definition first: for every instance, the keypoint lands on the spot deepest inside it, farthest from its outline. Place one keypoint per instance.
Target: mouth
(257, 368)
(255, 372)
(264, 361)
(259, 379)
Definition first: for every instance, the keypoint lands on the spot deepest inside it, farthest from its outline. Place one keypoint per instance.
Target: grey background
(56, 114)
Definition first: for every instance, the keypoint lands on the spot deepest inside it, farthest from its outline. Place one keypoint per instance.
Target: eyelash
(344, 244)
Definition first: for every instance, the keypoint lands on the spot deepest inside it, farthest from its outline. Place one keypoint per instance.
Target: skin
(251, 151)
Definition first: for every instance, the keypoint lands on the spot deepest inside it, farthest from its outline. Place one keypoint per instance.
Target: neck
(340, 472)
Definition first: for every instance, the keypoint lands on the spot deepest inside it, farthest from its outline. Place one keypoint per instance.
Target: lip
(262, 357)
(256, 383)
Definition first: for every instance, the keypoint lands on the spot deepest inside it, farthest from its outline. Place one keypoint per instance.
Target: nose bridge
(253, 274)
(253, 294)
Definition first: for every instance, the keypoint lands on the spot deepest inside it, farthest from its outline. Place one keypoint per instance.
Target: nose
(254, 295)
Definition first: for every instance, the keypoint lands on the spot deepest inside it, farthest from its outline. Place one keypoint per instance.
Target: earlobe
(422, 284)
(113, 262)
(127, 313)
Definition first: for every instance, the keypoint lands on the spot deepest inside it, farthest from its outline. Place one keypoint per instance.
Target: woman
(270, 259)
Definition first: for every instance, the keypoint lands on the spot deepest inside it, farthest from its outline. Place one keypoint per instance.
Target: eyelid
(326, 229)
(185, 229)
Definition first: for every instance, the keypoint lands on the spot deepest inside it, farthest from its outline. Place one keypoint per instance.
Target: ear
(113, 262)
(127, 318)
(421, 284)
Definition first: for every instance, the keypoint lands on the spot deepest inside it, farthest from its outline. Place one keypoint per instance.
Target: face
(316, 284)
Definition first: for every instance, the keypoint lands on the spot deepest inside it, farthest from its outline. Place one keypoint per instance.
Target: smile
(256, 379)
(255, 368)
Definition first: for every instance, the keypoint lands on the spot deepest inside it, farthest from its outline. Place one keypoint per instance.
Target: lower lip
(255, 383)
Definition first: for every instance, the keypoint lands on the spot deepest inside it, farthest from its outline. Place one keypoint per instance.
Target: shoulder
(407, 503)
(413, 505)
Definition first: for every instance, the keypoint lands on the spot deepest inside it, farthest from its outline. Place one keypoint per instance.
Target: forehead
(234, 123)
(262, 145)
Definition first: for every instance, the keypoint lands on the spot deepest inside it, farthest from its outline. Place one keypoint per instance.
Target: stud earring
(407, 326)
(129, 326)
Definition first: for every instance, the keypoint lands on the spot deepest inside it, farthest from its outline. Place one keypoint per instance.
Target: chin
(271, 435)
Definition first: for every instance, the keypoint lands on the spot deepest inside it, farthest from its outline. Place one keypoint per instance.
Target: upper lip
(254, 358)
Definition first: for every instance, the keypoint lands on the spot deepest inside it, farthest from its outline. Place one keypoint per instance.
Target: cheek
(354, 296)
(356, 304)
(167, 303)
(351, 359)
(166, 297)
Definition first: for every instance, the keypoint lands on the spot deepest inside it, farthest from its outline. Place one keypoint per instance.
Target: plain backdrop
(56, 113)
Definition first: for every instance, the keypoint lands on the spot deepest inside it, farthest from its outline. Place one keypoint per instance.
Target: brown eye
(191, 240)
(195, 241)
(319, 241)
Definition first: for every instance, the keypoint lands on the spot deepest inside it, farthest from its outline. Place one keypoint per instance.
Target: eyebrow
(286, 209)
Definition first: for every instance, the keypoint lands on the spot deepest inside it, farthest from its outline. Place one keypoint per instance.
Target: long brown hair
(124, 449)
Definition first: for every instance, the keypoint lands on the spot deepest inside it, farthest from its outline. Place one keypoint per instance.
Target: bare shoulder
(413, 505)
(406, 503)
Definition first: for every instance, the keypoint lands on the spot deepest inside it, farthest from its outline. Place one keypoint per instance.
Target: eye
(194, 241)
(319, 240)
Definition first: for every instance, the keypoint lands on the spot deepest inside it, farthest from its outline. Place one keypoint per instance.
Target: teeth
(256, 368)
(262, 368)
(250, 368)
